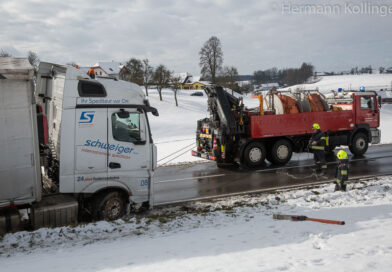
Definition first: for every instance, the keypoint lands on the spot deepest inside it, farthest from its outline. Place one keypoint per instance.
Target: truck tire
(254, 154)
(110, 206)
(281, 152)
(359, 144)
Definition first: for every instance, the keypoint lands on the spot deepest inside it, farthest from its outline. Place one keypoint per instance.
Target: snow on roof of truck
(15, 68)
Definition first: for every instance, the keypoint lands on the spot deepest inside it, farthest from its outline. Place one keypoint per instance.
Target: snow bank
(236, 234)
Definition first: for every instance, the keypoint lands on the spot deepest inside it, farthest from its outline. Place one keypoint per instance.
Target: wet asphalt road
(199, 181)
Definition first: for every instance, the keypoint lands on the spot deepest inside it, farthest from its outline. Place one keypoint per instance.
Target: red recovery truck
(234, 133)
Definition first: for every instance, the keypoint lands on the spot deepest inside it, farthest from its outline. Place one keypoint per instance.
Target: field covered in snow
(372, 82)
(232, 234)
(174, 130)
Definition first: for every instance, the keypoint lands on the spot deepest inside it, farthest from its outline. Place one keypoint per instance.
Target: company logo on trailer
(86, 117)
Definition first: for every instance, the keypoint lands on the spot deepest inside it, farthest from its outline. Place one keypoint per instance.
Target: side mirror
(154, 111)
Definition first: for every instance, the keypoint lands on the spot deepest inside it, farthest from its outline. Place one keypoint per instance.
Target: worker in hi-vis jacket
(341, 175)
(317, 144)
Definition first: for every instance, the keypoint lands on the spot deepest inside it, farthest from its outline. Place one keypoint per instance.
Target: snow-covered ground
(232, 234)
(374, 82)
(174, 130)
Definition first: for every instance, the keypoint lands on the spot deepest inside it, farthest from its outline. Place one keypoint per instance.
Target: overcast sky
(254, 34)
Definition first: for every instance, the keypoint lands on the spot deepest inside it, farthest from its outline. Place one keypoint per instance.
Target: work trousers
(319, 158)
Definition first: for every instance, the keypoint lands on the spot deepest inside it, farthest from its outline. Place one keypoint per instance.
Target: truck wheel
(254, 154)
(110, 206)
(359, 144)
(281, 152)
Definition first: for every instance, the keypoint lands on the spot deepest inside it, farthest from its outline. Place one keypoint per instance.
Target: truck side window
(126, 129)
(88, 88)
(366, 102)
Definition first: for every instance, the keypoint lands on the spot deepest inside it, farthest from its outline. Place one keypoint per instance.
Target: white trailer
(99, 149)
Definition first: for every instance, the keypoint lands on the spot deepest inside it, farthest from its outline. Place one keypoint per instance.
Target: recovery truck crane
(234, 133)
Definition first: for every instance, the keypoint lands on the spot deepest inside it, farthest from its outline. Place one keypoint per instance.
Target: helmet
(316, 126)
(342, 155)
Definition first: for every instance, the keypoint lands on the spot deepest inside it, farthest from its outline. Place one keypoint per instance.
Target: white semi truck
(90, 136)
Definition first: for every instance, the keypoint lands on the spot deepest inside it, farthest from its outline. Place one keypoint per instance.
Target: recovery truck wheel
(254, 154)
(281, 152)
(110, 206)
(359, 144)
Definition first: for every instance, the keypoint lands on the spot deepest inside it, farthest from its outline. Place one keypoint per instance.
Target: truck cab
(72, 146)
(100, 135)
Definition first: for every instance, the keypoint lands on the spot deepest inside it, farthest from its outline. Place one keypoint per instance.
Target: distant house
(184, 77)
(196, 85)
(108, 69)
(188, 82)
(388, 70)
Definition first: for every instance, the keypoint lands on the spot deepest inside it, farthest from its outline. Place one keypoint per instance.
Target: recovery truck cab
(96, 144)
(234, 133)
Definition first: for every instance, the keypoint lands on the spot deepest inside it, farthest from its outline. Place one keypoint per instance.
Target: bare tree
(175, 83)
(133, 71)
(229, 78)
(148, 73)
(246, 88)
(211, 58)
(33, 59)
(4, 54)
(162, 78)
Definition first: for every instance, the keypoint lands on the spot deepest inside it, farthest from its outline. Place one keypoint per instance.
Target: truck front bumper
(376, 135)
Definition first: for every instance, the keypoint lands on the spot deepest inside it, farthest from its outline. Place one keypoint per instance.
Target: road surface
(201, 181)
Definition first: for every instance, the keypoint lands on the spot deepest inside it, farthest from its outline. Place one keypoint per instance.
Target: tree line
(287, 76)
(144, 74)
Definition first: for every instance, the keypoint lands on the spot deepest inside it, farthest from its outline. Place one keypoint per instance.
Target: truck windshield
(126, 129)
